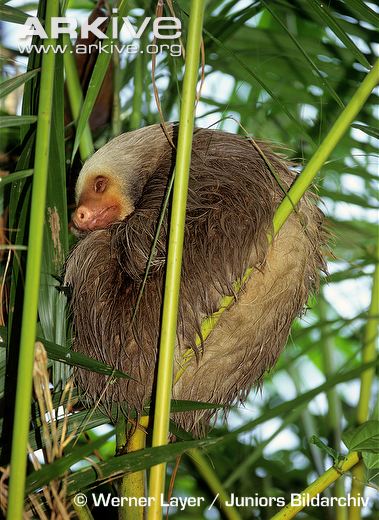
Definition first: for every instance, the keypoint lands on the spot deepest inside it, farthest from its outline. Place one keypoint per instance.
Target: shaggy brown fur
(231, 202)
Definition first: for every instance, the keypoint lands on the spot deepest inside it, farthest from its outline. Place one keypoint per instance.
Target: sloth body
(231, 202)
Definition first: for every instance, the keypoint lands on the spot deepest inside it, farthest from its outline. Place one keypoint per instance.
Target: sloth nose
(83, 214)
(82, 217)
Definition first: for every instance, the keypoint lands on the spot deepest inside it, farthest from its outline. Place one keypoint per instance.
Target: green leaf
(370, 460)
(322, 10)
(58, 353)
(130, 463)
(364, 11)
(52, 303)
(351, 198)
(148, 457)
(7, 247)
(325, 448)
(57, 468)
(75, 97)
(8, 121)
(96, 81)
(264, 85)
(18, 218)
(16, 176)
(84, 420)
(11, 14)
(6, 87)
(369, 130)
(77, 423)
(324, 80)
(305, 397)
(363, 438)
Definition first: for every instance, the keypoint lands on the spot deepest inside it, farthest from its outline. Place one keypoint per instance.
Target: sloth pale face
(100, 204)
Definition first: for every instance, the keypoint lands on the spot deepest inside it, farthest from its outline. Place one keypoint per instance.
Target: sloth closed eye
(100, 184)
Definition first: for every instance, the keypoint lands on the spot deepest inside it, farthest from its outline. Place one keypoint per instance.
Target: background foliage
(284, 71)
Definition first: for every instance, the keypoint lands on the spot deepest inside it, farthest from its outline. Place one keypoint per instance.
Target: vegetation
(301, 74)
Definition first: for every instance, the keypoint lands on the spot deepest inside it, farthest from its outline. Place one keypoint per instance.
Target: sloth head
(111, 181)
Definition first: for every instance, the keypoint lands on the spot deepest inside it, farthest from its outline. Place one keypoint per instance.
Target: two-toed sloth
(234, 190)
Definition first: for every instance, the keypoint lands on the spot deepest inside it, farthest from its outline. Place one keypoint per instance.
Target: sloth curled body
(231, 202)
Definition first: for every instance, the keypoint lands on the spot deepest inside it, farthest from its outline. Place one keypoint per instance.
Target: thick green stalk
(319, 485)
(133, 484)
(174, 256)
(367, 377)
(75, 96)
(33, 269)
(214, 483)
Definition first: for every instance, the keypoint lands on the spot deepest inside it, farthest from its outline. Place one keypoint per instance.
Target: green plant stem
(121, 437)
(116, 109)
(214, 483)
(340, 511)
(334, 405)
(139, 76)
(82, 512)
(319, 485)
(368, 353)
(133, 484)
(136, 115)
(33, 269)
(174, 256)
(75, 96)
(367, 377)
